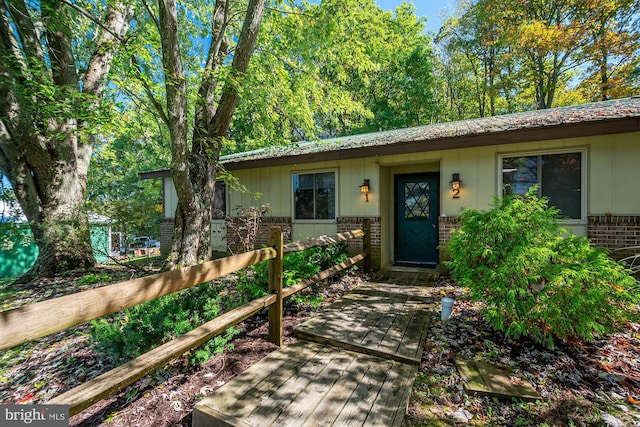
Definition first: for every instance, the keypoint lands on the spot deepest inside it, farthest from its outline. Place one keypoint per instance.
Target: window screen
(315, 195)
(559, 177)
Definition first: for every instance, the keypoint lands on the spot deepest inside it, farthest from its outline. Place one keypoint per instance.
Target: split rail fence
(34, 321)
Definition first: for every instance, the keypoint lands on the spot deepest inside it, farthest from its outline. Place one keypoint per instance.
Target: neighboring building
(586, 158)
(18, 252)
(101, 236)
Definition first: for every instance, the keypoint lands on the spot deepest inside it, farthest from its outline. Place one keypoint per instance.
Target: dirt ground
(594, 384)
(581, 384)
(38, 371)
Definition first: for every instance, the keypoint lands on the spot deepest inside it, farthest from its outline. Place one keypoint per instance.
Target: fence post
(276, 240)
(366, 243)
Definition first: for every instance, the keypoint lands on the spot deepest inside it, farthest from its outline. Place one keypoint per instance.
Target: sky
(435, 10)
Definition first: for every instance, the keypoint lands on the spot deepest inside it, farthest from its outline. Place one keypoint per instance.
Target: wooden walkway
(380, 319)
(354, 366)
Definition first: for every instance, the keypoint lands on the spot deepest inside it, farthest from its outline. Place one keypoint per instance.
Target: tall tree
(333, 68)
(478, 67)
(613, 36)
(514, 55)
(548, 35)
(195, 150)
(54, 61)
(472, 38)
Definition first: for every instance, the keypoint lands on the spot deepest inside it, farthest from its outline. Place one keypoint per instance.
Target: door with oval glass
(416, 219)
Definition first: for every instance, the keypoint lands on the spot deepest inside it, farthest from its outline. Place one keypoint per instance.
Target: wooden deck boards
(310, 384)
(383, 320)
(319, 383)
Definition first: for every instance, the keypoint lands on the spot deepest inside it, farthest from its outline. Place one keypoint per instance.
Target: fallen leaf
(606, 367)
(515, 380)
(27, 398)
(206, 390)
(633, 401)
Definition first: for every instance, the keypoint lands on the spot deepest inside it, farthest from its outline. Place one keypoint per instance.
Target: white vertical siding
(170, 198)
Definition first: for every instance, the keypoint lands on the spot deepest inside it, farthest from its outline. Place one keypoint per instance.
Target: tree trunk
(62, 234)
(46, 141)
(194, 171)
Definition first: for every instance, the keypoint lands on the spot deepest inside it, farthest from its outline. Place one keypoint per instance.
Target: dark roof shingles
(606, 110)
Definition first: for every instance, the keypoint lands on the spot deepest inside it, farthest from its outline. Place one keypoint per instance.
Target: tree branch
(248, 36)
(206, 107)
(92, 18)
(175, 83)
(58, 32)
(26, 31)
(117, 21)
(289, 12)
(10, 46)
(156, 105)
(151, 15)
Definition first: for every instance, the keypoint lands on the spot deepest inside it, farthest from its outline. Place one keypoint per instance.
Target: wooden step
(383, 320)
(308, 384)
(323, 380)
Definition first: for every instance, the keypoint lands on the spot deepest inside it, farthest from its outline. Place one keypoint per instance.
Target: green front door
(416, 219)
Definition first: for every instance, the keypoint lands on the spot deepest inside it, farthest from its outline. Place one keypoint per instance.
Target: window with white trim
(314, 195)
(559, 175)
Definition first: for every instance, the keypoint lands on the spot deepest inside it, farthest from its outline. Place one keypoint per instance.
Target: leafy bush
(146, 326)
(535, 279)
(296, 266)
(139, 329)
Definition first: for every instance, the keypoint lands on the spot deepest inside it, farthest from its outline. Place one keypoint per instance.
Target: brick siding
(614, 231)
(264, 230)
(605, 231)
(354, 246)
(445, 225)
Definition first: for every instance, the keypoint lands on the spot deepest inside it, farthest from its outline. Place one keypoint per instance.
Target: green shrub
(296, 266)
(535, 279)
(146, 326)
(139, 329)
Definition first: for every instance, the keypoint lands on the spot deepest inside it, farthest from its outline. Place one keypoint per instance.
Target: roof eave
(565, 130)
(162, 173)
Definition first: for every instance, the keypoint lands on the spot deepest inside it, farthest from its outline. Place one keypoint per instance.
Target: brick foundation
(445, 225)
(354, 246)
(264, 230)
(614, 231)
(605, 231)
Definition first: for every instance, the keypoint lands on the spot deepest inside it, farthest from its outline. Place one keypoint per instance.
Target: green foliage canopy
(503, 56)
(334, 68)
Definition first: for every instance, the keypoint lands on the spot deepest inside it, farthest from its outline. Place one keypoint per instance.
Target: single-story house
(413, 183)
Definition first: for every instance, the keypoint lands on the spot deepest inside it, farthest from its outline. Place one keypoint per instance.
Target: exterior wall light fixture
(364, 189)
(455, 185)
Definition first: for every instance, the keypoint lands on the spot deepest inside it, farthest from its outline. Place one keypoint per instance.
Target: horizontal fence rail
(37, 320)
(322, 241)
(294, 289)
(118, 378)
